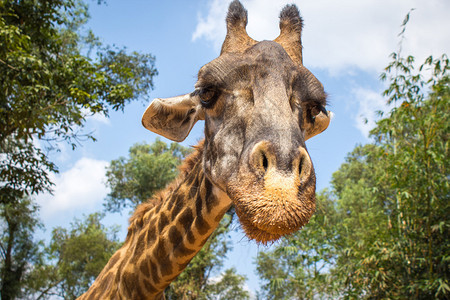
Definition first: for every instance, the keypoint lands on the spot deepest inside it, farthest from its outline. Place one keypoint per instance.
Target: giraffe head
(260, 105)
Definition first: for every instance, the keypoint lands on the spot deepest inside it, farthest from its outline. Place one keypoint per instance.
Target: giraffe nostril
(300, 166)
(305, 165)
(262, 157)
(265, 162)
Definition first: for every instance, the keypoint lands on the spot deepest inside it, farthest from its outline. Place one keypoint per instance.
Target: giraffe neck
(162, 239)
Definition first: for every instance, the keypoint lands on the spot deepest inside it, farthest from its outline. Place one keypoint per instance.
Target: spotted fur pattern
(164, 235)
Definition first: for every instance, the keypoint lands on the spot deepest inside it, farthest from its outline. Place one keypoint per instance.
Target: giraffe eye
(207, 97)
(314, 111)
(317, 109)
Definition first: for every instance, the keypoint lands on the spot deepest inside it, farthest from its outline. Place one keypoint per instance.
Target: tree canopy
(73, 259)
(148, 169)
(53, 76)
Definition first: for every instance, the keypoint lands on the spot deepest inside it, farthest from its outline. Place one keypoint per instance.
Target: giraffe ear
(173, 118)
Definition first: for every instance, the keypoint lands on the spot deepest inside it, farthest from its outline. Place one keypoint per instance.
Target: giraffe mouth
(267, 225)
(273, 208)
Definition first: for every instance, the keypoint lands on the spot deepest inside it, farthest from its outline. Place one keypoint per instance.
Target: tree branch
(8, 65)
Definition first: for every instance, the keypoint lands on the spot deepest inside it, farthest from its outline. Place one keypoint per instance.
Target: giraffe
(260, 105)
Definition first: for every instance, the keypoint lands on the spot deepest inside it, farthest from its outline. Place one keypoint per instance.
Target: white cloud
(81, 187)
(210, 27)
(97, 117)
(339, 35)
(369, 102)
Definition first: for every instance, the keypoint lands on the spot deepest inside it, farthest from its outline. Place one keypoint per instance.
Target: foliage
(149, 168)
(19, 251)
(362, 224)
(49, 85)
(229, 287)
(75, 257)
(413, 142)
(391, 205)
(23, 170)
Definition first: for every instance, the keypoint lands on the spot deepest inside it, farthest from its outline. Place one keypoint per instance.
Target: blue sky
(346, 45)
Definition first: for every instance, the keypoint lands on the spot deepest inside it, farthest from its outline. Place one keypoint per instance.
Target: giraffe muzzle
(275, 196)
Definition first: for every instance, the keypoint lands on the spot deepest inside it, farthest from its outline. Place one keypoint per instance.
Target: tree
(49, 85)
(397, 248)
(414, 141)
(74, 258)
(18, 249)
(397, 222)
(148, 169)
(135, 179)
(229, 287)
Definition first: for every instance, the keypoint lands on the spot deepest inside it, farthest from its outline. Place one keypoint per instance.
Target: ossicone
(237, 39)
(291, 25)
(237, 15)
